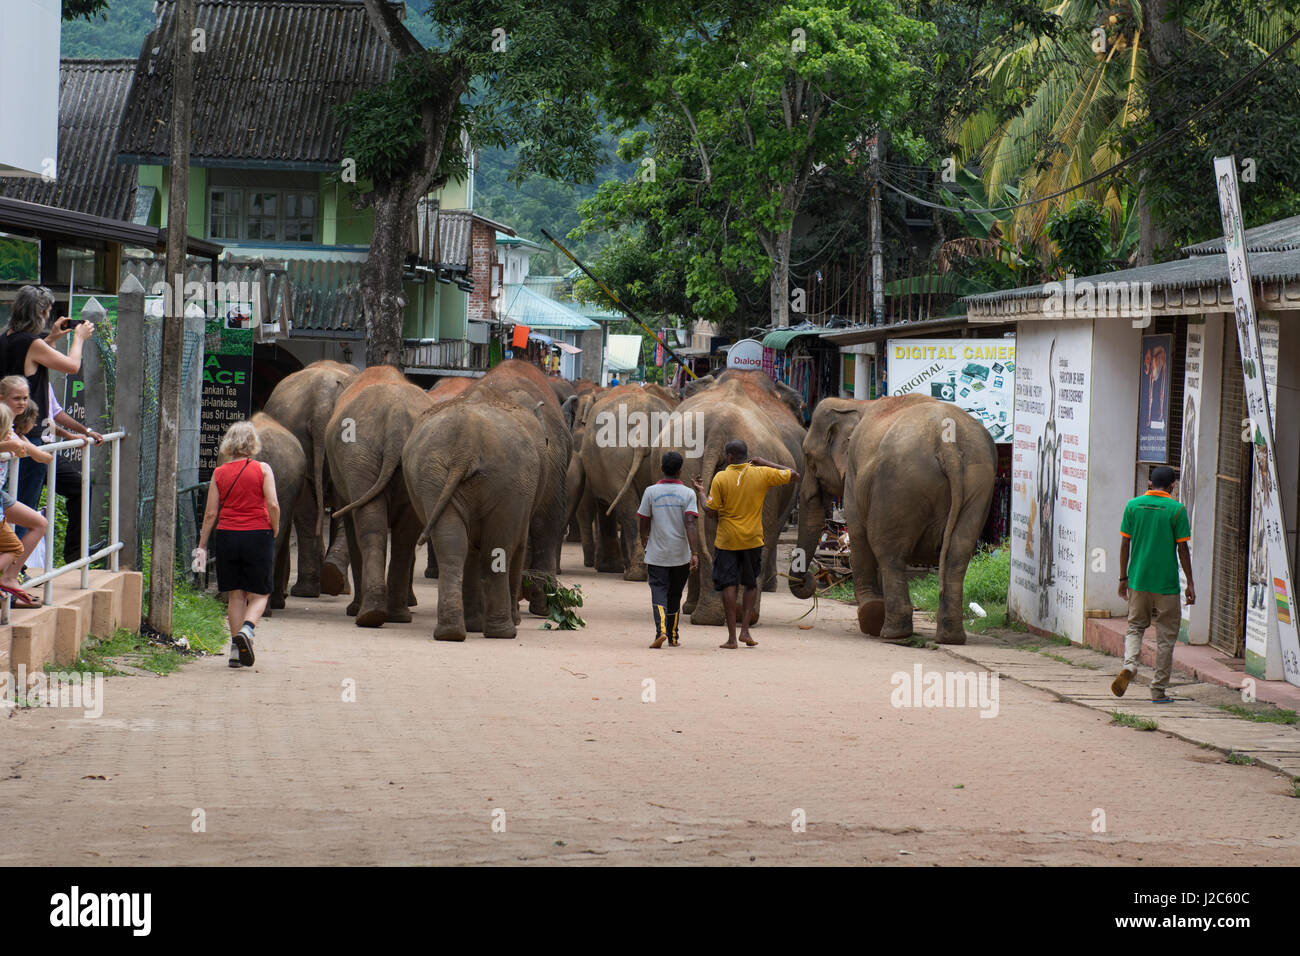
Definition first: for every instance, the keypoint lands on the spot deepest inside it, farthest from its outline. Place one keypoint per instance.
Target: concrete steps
(54, 634)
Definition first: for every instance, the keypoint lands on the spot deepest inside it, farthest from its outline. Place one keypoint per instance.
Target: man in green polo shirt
(1154, 529)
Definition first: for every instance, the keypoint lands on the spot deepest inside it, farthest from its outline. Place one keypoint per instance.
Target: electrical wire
(1137, 154)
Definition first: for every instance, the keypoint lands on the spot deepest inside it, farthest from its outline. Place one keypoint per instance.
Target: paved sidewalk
(1080, 675)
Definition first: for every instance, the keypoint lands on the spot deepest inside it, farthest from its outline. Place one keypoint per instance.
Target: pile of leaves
(560, 604)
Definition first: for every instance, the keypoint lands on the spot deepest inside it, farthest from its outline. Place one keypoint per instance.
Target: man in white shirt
(668, 516)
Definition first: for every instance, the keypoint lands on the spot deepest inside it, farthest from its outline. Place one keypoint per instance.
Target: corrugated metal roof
(92, 95)
(266, 86)
(455, 230)
(525, 306)
(1276, 236)
(780, 338)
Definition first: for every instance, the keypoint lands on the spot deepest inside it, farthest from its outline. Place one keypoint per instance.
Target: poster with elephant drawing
(1261, 604)
(1049, 490)
(1153, 399)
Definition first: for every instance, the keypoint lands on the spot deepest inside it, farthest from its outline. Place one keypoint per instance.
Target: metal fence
(83, 563)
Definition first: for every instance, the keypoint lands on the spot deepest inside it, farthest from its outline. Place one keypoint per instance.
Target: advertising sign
(227, 387)
(1153, 399)
(1049, 478)
(977, 375)
(746, 354)
(1272, 591)
(1193, 370)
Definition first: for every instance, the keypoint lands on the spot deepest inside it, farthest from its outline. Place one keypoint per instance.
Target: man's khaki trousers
(1167, 612)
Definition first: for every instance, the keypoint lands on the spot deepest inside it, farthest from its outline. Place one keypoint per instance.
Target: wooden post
(173, 341)
(127, 397)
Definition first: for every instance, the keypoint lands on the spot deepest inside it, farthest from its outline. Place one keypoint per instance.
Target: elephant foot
(500, 629)
(871, 617)
(636, 574)
(769, 585)
(951, 635)
(609, 567)
(588, 561)
(410, 599)
(372, 617)
(688, 607)
(398, 617)
(430, 572)
(897, 628)
(473, 625)
(333, 579)
(275, 603)
(709, 615)
(305, 589)
(353, 608)
(537, 606)
(448, 632)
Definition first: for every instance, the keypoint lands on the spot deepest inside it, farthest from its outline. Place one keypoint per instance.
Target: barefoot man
(736, 496)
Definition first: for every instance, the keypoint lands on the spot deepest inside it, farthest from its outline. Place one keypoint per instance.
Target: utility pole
(877, 241)
(173, 339)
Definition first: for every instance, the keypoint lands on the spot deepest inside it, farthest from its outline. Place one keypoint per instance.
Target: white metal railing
(114, 440)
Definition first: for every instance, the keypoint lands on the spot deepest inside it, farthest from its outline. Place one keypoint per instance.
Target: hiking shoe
(243, 640)
(1120, 683)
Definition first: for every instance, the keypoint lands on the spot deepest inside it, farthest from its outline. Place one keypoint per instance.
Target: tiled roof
(525, 306)
(92, 94)
(266, 86)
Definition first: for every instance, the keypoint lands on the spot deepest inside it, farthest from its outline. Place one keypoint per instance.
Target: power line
(1139, 153)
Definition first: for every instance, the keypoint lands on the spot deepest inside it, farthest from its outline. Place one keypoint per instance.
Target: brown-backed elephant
(363, 441)
(472, 469)
(562, 387)
(515, 381)
(712, 417)
(288, 464)
(581, 521)
(918, 479)
(302, 403)
(444, 390)
(617, 462)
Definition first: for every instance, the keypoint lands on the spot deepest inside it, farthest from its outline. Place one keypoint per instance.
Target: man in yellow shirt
(737, 496)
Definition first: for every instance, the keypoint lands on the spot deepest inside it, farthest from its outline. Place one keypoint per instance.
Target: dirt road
(548, 737)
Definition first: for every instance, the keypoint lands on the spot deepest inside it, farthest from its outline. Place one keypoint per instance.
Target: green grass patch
(842, 592)
(199, 618)
(1272, 715)
(125, 647)
(1242, 760)
(1066, 660)
(1132, 720)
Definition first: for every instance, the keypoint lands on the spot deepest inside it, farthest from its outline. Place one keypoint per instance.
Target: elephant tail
(950, 460)
(318, 475)
(454, 478)
(637, 458)
(386, 472)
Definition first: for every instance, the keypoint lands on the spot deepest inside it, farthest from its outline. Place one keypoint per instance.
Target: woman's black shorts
(245, 560)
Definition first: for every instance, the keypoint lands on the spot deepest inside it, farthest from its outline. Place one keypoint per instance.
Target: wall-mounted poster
(1192, 372)
(977, 375)
(1049, 479)
(1153, 399)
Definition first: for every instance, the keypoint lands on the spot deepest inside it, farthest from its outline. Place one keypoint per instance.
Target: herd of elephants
(494, 472)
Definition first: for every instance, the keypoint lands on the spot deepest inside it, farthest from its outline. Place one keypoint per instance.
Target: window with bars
(262, 215)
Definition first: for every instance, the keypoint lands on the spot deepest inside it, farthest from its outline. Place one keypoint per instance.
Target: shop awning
(780, 338)
(566, 347)
(623, 352)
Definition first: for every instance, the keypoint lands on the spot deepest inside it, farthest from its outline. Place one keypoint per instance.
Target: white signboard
(977, 375)
(1275, 590)
(746, 354)
(1049, 478)
(29, 79)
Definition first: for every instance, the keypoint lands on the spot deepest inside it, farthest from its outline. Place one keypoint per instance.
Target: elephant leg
(371, 521)
(354, 559)
(630, 535)
(309, 546)
(517, 561)
(401, 566)
(708, 609)
(898, 600)
(334, 570)
(431, 564)
(281, 579)
(587, 530)
(575, 532)
(866, 590)
(472, 590)
(497, 591)
(609, 555)
(952, 574)
(692, 596)
(451, 540)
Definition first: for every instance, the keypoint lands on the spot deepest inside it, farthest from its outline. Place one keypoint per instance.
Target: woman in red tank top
(241, 515)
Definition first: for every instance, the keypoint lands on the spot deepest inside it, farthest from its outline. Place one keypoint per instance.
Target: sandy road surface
(552, 730)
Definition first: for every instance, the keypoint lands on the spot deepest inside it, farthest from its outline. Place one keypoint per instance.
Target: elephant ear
(838, 431)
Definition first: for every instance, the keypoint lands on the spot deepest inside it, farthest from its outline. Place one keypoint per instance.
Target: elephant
(562, 387)
(302, 403)
(615, 469)
(444, 390)
(784, 408)
(518, 382)
(725, 411)
(472, 471)
(363, 441)
(916, 475)
(288, 464)
(581, 521)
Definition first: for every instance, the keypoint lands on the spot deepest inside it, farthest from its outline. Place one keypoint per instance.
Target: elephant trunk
(812, 520)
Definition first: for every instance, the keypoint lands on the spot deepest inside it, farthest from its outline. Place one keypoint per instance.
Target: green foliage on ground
(560, 604)
(1133, 720)
(1263, 715)
(1243, 760)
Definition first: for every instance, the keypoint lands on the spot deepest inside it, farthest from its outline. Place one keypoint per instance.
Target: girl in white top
(13, 394)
